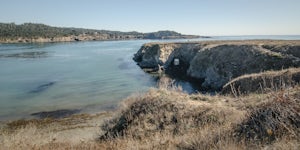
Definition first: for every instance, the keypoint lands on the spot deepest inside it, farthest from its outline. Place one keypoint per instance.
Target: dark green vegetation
(31, 32)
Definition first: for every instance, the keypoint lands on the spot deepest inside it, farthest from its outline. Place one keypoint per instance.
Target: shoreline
(169, 119)
(63, 113)
(71, 39)
(33, 32)
(74, 39)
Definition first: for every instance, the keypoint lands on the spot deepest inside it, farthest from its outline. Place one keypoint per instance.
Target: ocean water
(78, 75)
(91, 76)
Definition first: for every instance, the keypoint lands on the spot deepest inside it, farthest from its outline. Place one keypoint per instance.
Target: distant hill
(31, 32)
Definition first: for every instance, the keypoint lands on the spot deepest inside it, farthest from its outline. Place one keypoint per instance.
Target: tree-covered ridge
(12, 31)
(30, 30)
(161, 34)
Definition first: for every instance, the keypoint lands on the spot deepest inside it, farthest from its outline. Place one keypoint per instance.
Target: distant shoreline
(40, 33)
(84, 38)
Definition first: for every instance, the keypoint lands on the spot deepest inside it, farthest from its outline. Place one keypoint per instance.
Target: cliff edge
(214, 63)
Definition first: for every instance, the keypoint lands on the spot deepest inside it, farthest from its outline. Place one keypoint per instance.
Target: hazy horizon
(206, 18)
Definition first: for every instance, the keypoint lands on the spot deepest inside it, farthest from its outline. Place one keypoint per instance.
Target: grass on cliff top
(167, 118)
(263, 82)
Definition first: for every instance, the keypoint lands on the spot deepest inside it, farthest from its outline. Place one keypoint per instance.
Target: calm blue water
(91, 76)
(52, 76)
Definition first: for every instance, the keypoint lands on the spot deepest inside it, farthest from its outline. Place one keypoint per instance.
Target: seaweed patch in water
(42, 87)
(125, 66)
(38, 54)
(56, 114)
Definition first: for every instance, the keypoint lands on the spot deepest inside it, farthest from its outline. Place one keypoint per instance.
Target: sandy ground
(74, 129)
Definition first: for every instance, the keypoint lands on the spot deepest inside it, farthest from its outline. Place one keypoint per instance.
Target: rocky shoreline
(212, 64)
(99, 37)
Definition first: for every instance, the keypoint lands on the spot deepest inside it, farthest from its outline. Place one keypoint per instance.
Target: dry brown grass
(165, 110)
(263, 82)
(271, 120)
(172, 120)
(167, 118)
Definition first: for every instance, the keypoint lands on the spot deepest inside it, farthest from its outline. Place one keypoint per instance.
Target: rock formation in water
(214, 63)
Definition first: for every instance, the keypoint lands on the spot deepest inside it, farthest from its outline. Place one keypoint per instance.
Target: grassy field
(167, 118)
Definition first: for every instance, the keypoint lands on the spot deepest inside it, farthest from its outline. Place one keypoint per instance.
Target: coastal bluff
(212, 64)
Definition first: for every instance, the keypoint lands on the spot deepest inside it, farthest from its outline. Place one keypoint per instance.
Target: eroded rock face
(222, 63)
(154, 55)
(214, 63)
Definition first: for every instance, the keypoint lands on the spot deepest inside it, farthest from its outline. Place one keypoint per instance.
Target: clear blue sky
(202, 17)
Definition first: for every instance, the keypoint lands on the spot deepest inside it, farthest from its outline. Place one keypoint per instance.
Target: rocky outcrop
(214, 63)
(153, 55)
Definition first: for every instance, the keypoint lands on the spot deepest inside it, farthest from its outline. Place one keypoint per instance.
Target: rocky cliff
(213, 63)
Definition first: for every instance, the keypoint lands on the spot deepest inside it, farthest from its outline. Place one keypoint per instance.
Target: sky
(198, 17)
